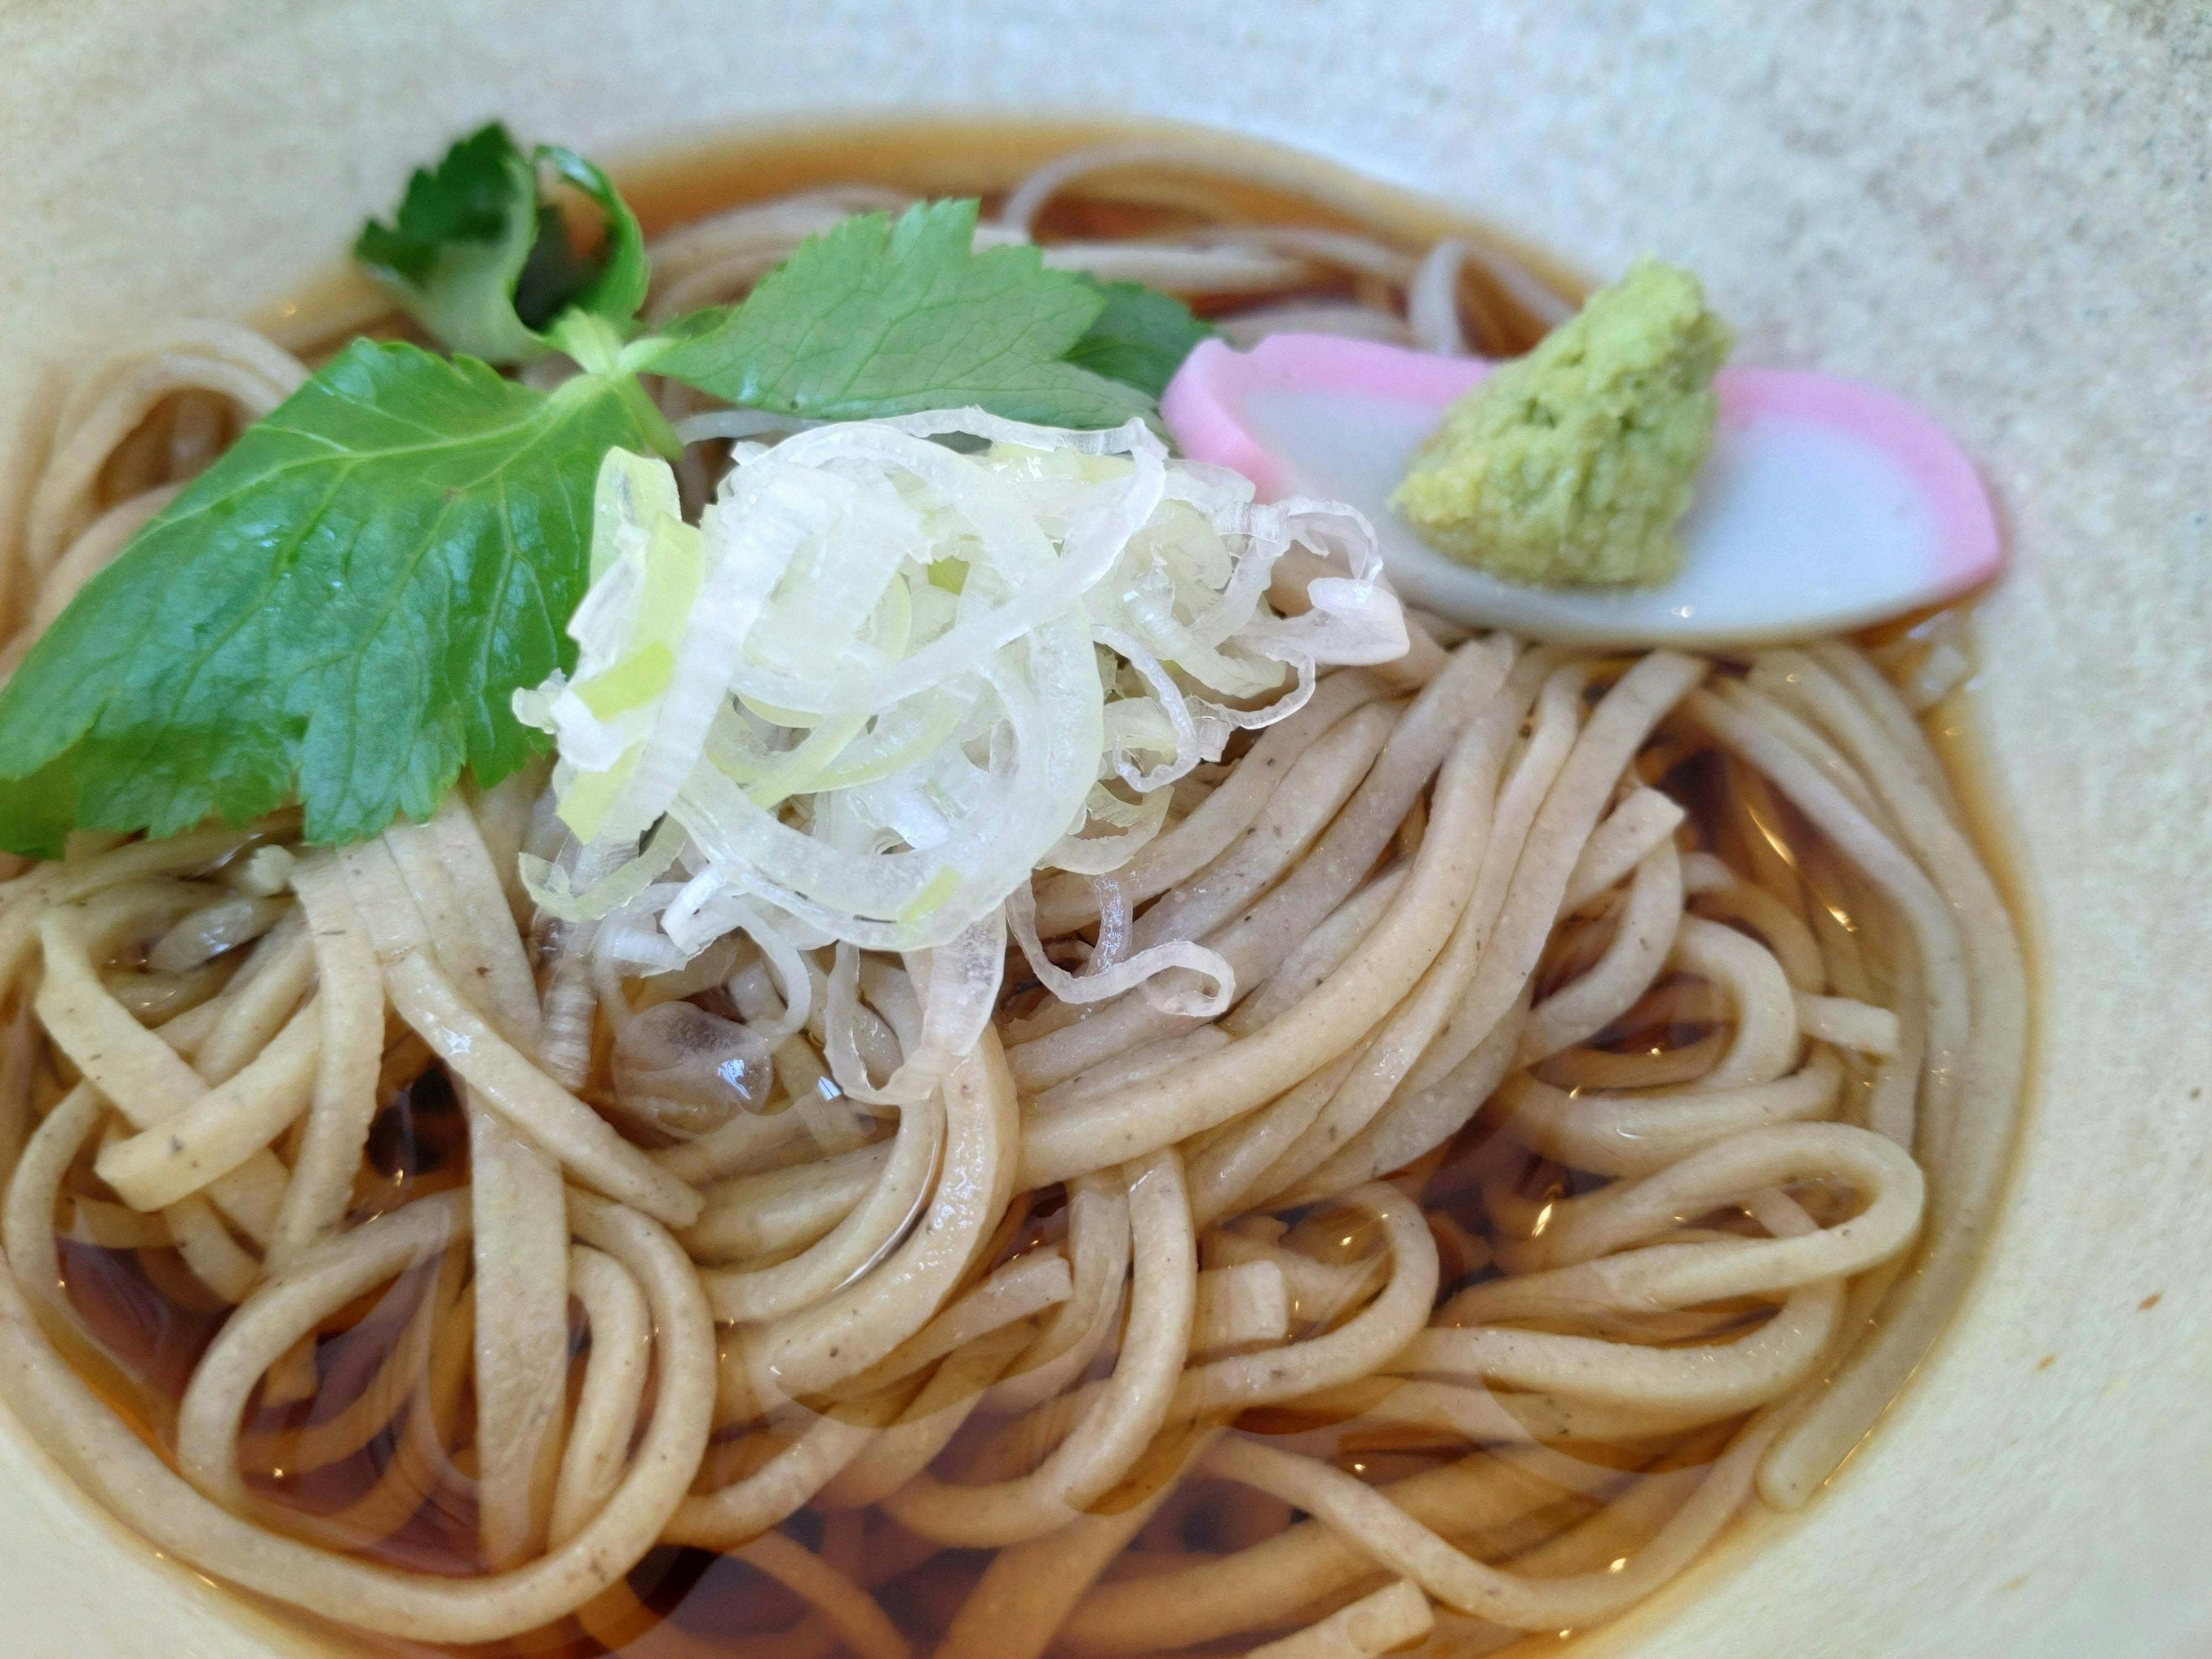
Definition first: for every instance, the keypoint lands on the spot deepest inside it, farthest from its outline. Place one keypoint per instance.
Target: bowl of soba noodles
(1059, 830)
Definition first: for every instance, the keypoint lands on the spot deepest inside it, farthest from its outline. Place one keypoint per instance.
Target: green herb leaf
(458, 245)
(873, 318)
(616, 286)
(471, 198)
(36, 811)
(338, 609)
(1140, 339)
(478, 257)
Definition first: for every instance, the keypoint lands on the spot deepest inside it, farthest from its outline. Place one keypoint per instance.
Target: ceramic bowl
(1998, 211)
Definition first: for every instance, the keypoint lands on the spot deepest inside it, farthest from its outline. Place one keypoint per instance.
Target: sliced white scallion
(888, 677)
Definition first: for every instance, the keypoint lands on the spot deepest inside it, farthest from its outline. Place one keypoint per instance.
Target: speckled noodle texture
(2003, 210)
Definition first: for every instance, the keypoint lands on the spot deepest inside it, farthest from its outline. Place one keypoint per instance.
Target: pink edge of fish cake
(1907, 437)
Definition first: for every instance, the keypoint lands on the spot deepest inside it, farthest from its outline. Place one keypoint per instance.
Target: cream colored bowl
(1999, 210)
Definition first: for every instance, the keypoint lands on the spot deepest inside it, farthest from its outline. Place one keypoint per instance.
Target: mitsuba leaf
(477, 257)
(36, 812)
(337, 610)
(615, 277)
(1140, 337)
(457, 247)
(876, 318)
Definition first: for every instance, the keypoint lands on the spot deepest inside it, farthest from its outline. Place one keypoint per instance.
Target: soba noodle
(1617, 1091)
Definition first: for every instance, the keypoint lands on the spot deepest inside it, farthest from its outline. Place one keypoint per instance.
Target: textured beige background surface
(2001, 208)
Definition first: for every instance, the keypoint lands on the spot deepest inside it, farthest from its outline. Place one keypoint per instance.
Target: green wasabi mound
(1572, 466)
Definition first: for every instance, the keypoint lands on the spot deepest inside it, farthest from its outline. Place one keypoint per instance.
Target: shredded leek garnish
(887, 678)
